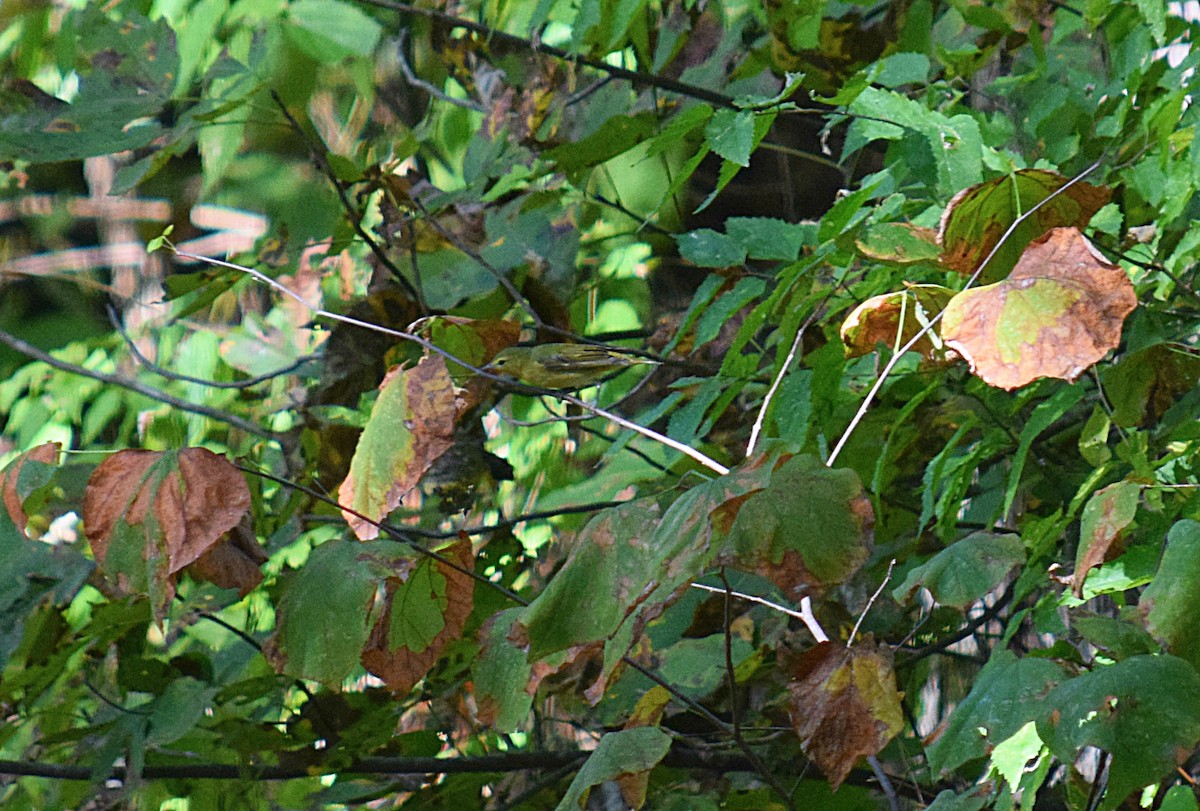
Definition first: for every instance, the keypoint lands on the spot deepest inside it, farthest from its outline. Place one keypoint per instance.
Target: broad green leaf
(618, 754)
(411, 426)
(327, 608)
(899, 242)
(978, 216)
(1006, 694)
(330, 30)
(1010, 757)
(1143, 711)
(1142, 385)
(126, 66)
(1058, 313)
(1169, 603)
(810, 527)
(974, 799)
(1117, 638)
(966, 570)
(768, 238)
(619, 134)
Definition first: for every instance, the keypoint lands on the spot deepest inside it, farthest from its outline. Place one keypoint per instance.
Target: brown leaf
(844, 704)
(892, 319)
(168, 508)
(1060, 311)
(1106, 517)
(233, 563)
(401, 668)
(13, 500)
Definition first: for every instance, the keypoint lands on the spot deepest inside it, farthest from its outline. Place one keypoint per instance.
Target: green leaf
(966, 570)
(617, 135)
(768, 238)
(500, 674)
(1169, 603)
(810, 527)
(330, 30)
(628, 752)
(1143, 711)
(418, 609)
(325, 612)
(707, 248)
(1006, 694)
(730, 134)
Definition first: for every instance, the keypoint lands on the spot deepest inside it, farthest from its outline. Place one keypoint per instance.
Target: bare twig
(787, 363)
(870, 603)
(891, 364)
(352, 213)
(29, 350)
(885, 783)
(810, 620)
(416, 81)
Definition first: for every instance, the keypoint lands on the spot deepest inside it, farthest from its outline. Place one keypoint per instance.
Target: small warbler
(562, 366)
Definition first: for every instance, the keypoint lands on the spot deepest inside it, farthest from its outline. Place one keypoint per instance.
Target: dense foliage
(905, 514)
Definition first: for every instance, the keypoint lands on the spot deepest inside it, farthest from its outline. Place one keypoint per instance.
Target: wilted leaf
(844, 705)
(328, 608)
(892, 319)
(1107, 514)
(1004, 697)
(900, 243)
(14, 490)
(420, 614)
(978, 216)
(1168, 604)
(1059, 312)
(411, 425)
(1143, 711)
(233, 563)
(618, 754)
(966, 570)
(809, 528)
(148, 515)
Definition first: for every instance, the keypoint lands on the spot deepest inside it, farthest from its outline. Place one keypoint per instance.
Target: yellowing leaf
(892, 319)
(1059, 312)
(978, 216)
(899, 242)
(844, 705)
(1106, 516)
(411, 425)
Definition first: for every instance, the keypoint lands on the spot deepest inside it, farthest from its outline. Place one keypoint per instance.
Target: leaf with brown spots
(14, 490)
(411, 425)
(1059, 312)
(149, 514)
(978, 216)
(421, 613)
(1106, 516)
(844, 705)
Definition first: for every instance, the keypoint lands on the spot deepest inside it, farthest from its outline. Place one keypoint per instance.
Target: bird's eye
(497, 362)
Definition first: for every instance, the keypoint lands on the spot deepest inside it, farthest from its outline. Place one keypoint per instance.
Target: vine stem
(320, 312)
(891, 364)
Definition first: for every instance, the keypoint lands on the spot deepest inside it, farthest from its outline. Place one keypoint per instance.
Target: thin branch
(32, 351)
(871, 602)
(885, 783)
(750, 598)
(787, 364)
(352, 212)
(216, 384)
(921, 333)
(810, 620)
(416, 81)
(734, 716)
(704, 460)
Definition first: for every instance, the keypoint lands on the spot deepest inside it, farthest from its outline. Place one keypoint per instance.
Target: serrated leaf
(707, 248)
(1106, 515)
(768, 238)
(730, 134)
(844, 704)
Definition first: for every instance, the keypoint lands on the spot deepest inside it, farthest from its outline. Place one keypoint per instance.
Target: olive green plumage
(562, 366)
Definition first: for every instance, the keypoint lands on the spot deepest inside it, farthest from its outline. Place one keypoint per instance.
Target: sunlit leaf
(1059, 312)
(1105, 518)
(966, 570)
(892, 319)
